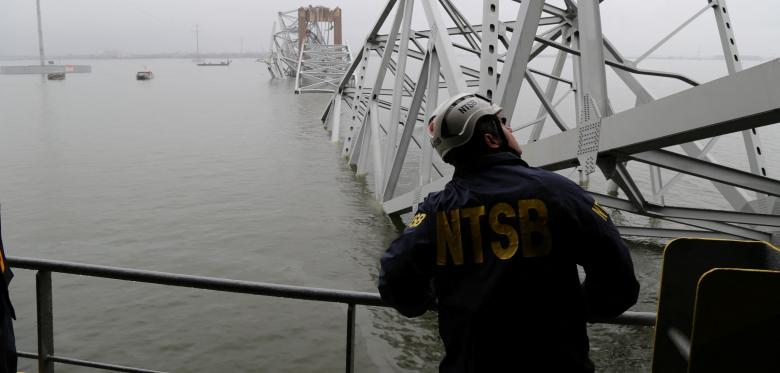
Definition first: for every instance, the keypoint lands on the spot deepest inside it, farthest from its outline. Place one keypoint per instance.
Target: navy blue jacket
(496, 252)
(8, 359)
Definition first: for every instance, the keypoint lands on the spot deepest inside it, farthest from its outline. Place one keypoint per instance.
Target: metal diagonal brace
(709, 171)
(657, 211)
(518, 55)
(673, 215)
(400, 154)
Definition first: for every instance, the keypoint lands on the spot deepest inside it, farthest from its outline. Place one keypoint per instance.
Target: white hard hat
(452, 123)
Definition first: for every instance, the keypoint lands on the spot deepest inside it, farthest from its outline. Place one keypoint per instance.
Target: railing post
(43, 299)
(351, 338)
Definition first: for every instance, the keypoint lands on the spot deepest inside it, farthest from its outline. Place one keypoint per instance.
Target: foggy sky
(154, 26)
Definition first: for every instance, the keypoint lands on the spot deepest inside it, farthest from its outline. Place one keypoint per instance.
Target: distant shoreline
(120, 56)
(138, 56)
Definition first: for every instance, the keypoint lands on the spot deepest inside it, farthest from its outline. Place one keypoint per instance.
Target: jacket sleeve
(610, 285)
(406, 268)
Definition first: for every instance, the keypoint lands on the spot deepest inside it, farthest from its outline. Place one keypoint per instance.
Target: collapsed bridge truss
(575, 127)
(306, 49)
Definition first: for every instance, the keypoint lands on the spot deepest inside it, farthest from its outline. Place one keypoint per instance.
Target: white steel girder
(384, 118)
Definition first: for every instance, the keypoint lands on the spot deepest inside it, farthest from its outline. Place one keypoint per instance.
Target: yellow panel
(685, 261)
(736, 325)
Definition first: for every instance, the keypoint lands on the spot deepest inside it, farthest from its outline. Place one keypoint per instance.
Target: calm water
(216, 172)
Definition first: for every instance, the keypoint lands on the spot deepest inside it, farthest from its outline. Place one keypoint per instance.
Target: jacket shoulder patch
(600, 211)
(417, 220)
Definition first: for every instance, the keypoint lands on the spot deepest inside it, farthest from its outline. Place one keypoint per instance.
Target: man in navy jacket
(496, 253)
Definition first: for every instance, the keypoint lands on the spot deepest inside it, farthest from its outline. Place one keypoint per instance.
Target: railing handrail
(351, 298)
(247, 287)
(199, 282)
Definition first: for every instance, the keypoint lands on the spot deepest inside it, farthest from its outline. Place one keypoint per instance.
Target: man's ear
(492, 141)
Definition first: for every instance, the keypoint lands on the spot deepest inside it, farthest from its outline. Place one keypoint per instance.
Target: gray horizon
(92, 27)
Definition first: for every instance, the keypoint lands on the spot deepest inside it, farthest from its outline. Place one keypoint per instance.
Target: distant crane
(41, 55)
(197, 45)
(43, 68)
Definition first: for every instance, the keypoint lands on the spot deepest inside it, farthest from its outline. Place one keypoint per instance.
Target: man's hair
(476, 146)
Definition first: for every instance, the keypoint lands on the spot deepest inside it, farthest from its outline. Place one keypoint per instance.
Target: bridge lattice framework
(672, 135)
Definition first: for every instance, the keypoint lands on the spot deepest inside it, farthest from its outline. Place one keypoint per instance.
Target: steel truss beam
(719, 107)
(427, 66)
(321, 68)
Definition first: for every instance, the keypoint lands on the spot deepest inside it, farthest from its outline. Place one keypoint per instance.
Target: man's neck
(485, 161)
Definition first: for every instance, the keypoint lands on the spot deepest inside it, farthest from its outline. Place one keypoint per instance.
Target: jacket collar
(486, 161)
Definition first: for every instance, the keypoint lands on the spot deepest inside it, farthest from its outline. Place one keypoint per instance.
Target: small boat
(221, 63)
(144, 75)
(55, 76)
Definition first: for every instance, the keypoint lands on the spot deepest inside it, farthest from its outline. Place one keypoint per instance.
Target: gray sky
(150, 26)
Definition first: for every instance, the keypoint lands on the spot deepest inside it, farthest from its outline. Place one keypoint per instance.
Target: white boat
(56, 76)
(220, 63)
(144, 75)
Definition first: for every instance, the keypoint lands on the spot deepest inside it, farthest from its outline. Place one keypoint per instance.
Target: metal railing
(43, 288)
